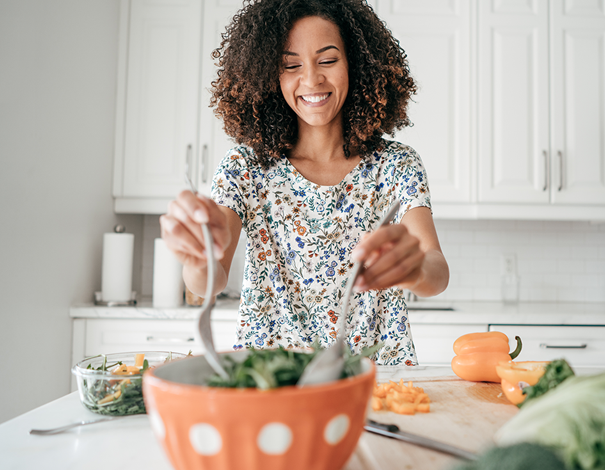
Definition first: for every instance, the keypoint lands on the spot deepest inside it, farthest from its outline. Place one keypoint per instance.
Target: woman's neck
(319, 155)
(319, 144)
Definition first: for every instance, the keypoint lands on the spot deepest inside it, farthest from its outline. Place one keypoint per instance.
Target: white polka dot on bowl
(205, 439)
(274, 438)
(157, 425)
(336, 429)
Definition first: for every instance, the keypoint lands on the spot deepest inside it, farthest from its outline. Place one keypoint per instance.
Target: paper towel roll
(118, 249)
(167, 277)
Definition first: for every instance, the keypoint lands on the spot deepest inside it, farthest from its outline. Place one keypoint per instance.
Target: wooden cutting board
(464, 414)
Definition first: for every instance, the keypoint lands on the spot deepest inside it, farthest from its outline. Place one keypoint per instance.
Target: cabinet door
(578, 101)
(111, 336)
(213, 142)
(434, 342)
(161, 98)
(436, 38)
(513, 132)
(578, 345)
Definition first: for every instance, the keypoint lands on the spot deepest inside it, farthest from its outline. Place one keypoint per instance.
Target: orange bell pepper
(478, 354)
(518, 375)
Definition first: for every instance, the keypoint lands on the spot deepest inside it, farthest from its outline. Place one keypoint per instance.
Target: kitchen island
(464, 414)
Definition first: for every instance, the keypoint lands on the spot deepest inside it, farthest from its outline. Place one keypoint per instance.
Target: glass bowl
(111, 384)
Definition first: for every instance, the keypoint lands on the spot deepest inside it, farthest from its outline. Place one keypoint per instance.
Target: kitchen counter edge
(526, 313)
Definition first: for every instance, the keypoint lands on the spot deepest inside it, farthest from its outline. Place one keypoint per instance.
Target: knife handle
(383, 426)
(393, 431)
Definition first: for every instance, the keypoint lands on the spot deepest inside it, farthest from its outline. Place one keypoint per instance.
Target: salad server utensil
(393, 431)
(327, 365)
(60, 429)
(203, 323)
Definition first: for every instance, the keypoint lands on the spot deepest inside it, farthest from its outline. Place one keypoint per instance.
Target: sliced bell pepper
(516, 376)
(478, 354)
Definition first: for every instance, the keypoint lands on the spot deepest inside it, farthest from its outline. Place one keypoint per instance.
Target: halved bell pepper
(478, 354)
(518, 375)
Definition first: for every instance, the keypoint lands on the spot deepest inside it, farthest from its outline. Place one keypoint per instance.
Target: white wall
(556, 261)
(58, 63)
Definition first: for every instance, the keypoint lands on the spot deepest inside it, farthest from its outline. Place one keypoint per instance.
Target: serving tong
(327, 365)
(60, 429)
(203, 323)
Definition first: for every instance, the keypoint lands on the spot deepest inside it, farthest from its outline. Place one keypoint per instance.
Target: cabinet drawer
(434, 343)
(110, 336)
(578, 345)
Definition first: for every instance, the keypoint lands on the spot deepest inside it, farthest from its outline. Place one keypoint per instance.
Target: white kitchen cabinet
(581, 346)
(164, 125)
(158, 100)
(541, 92)
(507, 119)
(513, 124)
(436, 37)
(434, 343)
(578, 99)
(92, 336)
(214, 143)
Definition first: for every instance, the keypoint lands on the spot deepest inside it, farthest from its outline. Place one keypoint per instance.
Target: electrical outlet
(509, 264)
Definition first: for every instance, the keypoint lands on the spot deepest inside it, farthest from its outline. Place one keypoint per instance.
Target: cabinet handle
(188, 161)
(545, 154)
(153, 339)
(560, 154)
(204, 163)
(555, 346)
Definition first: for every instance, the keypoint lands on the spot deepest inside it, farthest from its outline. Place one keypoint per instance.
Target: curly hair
(247, 94)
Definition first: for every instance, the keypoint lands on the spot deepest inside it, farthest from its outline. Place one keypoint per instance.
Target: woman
(308, 88)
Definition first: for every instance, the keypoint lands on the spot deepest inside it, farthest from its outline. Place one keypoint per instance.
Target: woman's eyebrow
(318, 51)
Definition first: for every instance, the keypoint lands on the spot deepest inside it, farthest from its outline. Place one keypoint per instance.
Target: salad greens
(569, 418)
(524, 456)
(555, 372)
(272, 368)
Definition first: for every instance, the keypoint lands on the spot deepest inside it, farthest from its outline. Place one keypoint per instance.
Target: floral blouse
(298, 253)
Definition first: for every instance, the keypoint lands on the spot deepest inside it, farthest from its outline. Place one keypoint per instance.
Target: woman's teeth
(315, 98)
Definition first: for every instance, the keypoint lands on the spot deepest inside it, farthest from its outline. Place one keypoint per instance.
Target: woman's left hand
(406, 255)
(391, 256)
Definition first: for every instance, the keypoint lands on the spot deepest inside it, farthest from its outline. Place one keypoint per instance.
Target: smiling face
(315, 79)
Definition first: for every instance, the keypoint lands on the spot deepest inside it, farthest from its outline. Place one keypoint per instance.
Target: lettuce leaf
(556, 372)
(569, 418)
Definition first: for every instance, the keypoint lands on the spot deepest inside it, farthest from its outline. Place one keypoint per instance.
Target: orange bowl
(292, 428)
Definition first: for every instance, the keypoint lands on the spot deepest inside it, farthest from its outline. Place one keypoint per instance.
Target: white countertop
(126, 443)
(541, 313)
(224, 309)
(129, 443)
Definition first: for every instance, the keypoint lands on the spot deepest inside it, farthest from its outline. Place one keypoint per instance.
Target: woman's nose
(312, 77)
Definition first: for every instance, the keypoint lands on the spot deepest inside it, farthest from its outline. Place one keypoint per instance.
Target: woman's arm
(181, 230)
(407, 255)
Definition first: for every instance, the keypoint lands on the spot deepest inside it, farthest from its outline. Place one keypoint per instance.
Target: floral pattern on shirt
(299, 241)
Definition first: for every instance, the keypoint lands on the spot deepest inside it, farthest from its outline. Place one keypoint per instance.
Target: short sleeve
(409, 172)
(231, 182)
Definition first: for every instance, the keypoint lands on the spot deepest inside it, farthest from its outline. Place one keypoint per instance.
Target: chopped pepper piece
(519, 375)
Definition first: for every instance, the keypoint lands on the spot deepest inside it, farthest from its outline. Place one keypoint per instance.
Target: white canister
(118, 251)
(168, 286)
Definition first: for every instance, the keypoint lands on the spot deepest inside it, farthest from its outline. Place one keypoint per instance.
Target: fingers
(374, 241)
(180, 240)
(182, 230)
(391, 256)
(192, 210)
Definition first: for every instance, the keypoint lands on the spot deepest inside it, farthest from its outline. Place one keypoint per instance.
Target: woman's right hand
(182, 231)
